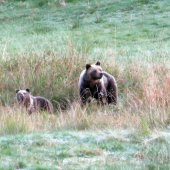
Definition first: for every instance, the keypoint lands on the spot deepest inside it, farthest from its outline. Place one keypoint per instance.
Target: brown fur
(33, 103)
(96, 83)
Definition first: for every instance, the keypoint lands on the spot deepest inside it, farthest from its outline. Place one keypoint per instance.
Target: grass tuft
(99, 19)
(21, 165)
(76, 23)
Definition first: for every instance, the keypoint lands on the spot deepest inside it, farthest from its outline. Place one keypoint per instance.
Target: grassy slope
(119, 149)
(97, 27)
(130, 37)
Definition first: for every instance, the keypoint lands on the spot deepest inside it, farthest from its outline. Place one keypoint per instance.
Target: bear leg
(84, 95)
(102, 97)
(112, 96)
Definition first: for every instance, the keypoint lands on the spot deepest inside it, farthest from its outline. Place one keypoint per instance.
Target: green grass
(67, 150)
(43, 26)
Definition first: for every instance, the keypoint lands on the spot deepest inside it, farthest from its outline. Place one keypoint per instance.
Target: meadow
(44, 46)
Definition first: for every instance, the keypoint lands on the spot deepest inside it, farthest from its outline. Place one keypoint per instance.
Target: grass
(32, 30)
(66, 150)
(45, 46)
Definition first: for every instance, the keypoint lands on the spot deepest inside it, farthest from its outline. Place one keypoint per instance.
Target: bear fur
(94, 82)
(33, 103)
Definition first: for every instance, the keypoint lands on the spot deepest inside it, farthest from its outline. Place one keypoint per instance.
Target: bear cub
(94, 82)
(33, 103)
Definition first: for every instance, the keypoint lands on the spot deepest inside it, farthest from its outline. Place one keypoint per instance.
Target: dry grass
(143, 90)
(14, 121)
(157, 86)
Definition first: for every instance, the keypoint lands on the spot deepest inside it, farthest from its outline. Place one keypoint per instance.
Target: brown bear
(94, 82)
(33, 103)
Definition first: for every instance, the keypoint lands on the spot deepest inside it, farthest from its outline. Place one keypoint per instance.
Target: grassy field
(108, 149)
(45, 46)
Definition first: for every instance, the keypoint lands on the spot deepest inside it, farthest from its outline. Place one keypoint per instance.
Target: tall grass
(143, 94)
(130, 41)
(54, 76)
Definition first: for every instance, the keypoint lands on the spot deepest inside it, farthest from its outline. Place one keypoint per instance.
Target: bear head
(94, 72)
(23, 96)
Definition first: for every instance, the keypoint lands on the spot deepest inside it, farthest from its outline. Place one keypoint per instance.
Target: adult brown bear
(96, 83)
(33, 103)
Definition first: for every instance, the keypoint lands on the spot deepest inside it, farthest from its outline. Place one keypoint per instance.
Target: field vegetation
(44, 45)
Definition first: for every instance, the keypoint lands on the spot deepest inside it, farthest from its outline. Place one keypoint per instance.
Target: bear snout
(20, 97)
(101, 74)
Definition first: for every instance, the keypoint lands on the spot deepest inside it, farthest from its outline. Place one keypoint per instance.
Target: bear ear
(88, 66)
(28, 90)
(16, 90)
(98, 63)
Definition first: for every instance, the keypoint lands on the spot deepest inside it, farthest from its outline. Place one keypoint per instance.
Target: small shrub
(151, 166)
(21, 165)
(156, 7)
(99, 19)
(76, 24)
(92, 10)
